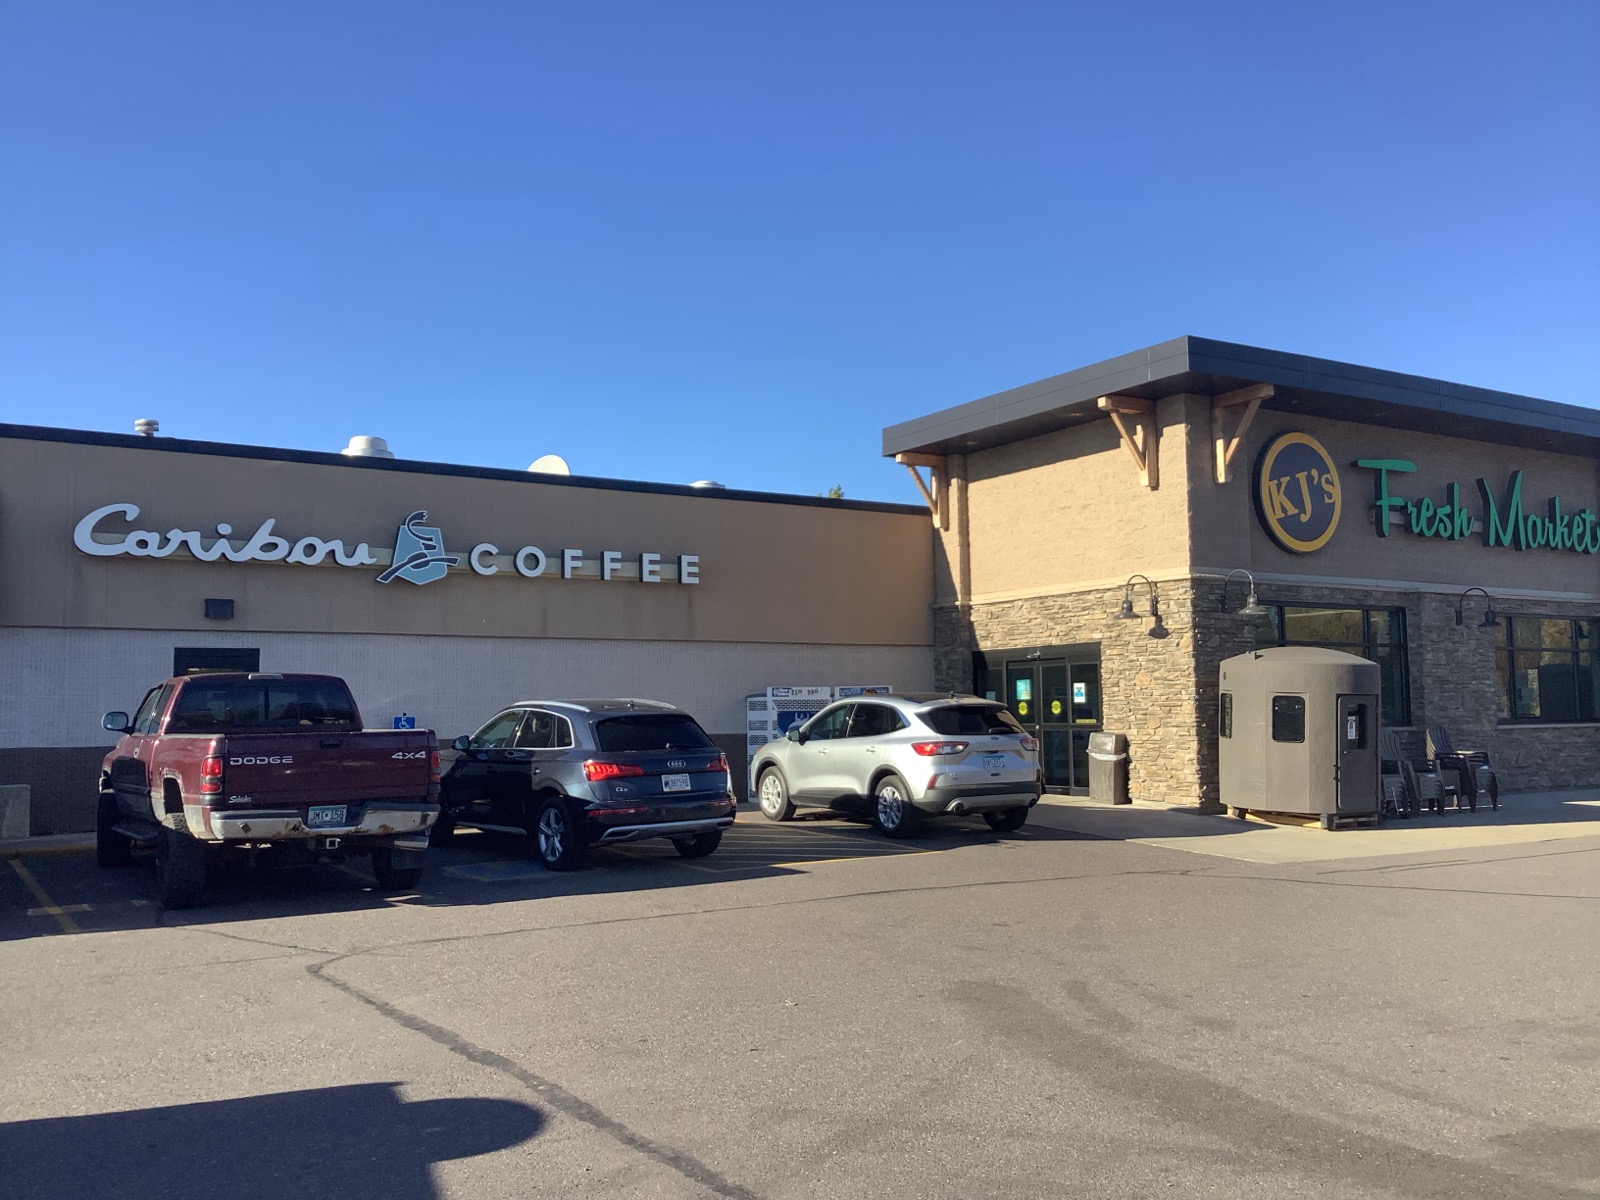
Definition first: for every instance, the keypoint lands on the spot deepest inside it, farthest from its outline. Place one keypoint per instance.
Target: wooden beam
(1226, 444)
(1142, 440)
(938, 494)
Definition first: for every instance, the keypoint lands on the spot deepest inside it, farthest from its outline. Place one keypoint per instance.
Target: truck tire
(111, 849)
(396, 870)
(180, 866)
(443, 832)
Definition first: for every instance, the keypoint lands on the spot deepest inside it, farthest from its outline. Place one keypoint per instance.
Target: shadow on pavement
(479, 868)
(358, 1140)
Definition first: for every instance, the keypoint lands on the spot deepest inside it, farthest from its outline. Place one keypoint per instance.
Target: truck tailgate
(299, 769)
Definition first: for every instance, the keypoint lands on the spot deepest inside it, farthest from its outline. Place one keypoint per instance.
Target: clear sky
(675, 241)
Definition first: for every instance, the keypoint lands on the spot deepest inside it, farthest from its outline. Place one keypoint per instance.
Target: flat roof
(168, 445)
(1313, 386)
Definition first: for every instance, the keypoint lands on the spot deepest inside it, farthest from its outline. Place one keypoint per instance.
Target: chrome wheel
(891, 806)
(552, 834)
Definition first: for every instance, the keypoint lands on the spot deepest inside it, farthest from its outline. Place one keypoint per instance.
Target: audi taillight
(596, 771)
(211, 775)
(934, 749)
(719, 763)
(1030, 744)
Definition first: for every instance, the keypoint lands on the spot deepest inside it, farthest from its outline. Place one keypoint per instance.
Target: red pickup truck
(276, 765)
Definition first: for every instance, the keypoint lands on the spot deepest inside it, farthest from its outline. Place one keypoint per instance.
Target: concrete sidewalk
(1522, 817)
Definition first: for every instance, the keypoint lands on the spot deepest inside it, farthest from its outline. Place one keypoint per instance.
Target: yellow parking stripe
(48, 906)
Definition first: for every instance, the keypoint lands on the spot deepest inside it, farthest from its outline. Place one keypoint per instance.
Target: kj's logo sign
(1297, 492)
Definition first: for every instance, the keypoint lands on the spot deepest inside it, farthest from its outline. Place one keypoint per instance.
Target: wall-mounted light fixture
(1489, 619)
(1126, 613)
(1252, 606)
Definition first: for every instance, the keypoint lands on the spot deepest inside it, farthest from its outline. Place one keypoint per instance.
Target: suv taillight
(1030, 744)
(211, 775)
(933, 749)
(596, 771)
(719, 763)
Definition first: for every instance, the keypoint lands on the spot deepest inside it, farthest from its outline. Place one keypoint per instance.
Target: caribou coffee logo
(419, 555)
(1297, 492)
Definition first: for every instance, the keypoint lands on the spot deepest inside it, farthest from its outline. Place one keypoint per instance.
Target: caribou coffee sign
(418, 556)
(1297, 492)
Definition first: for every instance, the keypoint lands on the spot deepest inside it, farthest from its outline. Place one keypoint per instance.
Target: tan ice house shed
(1298, 734)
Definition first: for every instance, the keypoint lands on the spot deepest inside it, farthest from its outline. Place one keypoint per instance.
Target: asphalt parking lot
(1109, 1003)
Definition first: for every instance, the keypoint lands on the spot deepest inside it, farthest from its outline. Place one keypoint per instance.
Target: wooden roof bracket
(936, 489)
(1248, 398)
(1142, 441)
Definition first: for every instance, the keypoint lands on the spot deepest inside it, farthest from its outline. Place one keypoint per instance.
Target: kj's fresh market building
(1366, 509)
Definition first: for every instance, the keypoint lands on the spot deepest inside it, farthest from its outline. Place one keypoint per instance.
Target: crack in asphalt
(553, 1094)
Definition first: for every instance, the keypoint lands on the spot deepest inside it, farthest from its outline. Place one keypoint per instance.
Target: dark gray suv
(573, 774)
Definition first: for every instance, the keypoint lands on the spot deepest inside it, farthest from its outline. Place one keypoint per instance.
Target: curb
(54, 843)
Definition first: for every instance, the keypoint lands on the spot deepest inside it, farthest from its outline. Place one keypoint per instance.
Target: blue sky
(734, 240)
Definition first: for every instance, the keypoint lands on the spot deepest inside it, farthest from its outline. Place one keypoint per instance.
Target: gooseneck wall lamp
(1489, 619)
(1252, 606)
(1126, 612)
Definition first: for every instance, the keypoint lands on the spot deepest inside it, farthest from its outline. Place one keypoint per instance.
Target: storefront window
(1378, 634)
(1546, 668)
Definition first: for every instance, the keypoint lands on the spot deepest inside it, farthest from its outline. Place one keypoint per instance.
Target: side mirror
(116, 722)
(462, 743)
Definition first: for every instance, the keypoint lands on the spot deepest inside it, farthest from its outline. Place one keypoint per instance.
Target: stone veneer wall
(1148, 685)
(1162, 692)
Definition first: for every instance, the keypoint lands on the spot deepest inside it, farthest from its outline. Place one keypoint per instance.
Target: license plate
(674, 783)
(994, 762)
(325, 815)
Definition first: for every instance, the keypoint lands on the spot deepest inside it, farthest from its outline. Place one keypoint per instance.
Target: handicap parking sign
(405, 721)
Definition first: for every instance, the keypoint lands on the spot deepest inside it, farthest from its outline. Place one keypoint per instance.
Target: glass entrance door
(1057, 702)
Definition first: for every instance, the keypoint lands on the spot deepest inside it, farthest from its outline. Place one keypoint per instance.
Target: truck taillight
(933, 749)
(433, 766)
(211, 775)
(596, 771)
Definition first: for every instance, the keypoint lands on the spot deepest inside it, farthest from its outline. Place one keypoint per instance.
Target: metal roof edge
(169, 445)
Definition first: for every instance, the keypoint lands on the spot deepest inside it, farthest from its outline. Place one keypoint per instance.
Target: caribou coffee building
(439, 592)
(1101, 536)
(1099, 541)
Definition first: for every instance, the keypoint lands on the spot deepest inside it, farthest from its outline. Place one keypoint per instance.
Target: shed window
(1288, 718)
(1225, 715)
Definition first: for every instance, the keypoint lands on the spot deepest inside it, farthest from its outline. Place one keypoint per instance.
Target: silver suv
(902, 758)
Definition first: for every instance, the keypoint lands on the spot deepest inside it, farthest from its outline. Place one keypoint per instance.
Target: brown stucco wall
(769, 571)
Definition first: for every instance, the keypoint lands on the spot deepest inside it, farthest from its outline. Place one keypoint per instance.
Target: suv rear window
(203, 708)
(650, 731)
(954, 719)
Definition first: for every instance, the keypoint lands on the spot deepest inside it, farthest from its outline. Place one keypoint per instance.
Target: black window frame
(1225, 714)
(1580, 646)
(1297, 710)
(1273, 633)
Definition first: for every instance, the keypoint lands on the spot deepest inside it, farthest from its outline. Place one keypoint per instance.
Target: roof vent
(147, 426)
(363, 446)
(710, 485)
(550, 464)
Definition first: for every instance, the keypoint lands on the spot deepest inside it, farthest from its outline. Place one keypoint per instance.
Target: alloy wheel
(771, 794)
(552, 834)
(891, 806)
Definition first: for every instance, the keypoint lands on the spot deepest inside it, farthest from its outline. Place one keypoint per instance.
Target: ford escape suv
(902, 758)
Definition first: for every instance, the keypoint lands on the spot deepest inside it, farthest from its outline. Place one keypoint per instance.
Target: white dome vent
(366, 446)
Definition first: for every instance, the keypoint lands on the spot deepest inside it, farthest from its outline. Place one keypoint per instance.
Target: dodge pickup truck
(272, 766)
